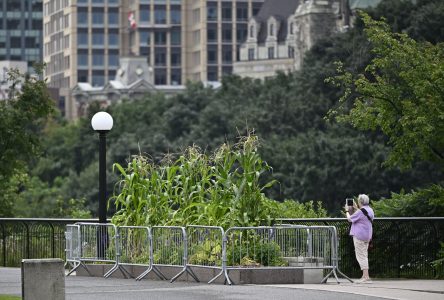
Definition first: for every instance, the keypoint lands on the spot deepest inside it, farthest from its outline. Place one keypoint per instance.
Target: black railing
(403, 247)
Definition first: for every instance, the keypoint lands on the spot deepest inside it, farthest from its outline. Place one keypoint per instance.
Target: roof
(361, 4)
(281, 10)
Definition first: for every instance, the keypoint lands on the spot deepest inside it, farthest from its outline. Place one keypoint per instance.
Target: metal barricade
(98, 243)
(304, 247)
(169, 244)
(133, 249)
(205, 248)
(72, 247)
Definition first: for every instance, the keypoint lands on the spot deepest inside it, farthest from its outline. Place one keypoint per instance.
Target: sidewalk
(406, 289)
(94, 288)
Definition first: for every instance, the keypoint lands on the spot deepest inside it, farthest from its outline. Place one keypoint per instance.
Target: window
(241, 12)
(98, 58)
(15, 42)
(145, 14)
(98, 80)
(196, 16)
(212, 55)
(82, 38)
(211, 35)
(113, 59)
(252, 31)
(175, 37)
(212, 74)
(175, 15)
(176, 76)
(160, 77)
(250, 54)
(82, 58)
(241, 33)
(291, 28)
(270, 52)
(271, 33)
(175, 57)
(12, 24)
(30, 42)
(160, 37)
(160, 57)
(82, 76)
(212, 11)
(290, 52)
(113, 39)
(98, 38)
(227, 55)
(227, 34)
(113, 18)
(226, 12)
(82, 18)
(144, 38)
(97, 17)
(160, 14)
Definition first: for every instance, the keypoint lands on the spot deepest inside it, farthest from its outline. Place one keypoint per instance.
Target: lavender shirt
(361, 226)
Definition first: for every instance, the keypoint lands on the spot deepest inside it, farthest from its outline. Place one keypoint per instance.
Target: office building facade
(182, 40)
(21, 31)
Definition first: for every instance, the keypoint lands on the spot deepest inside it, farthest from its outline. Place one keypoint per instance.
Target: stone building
(283, 30)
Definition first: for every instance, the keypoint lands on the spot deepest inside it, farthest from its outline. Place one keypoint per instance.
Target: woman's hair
(363, 199)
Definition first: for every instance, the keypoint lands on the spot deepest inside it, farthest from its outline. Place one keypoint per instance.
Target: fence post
(4, 244)
(27, 240)
(52, 239)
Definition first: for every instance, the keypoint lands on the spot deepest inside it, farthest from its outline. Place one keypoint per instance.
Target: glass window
(241, 34)
(160, 76)
(227, 55)
(113, 60)
(212, 56)
(212, 74)
(242, 12)
(145, 14)
(175, 57)
(13, 5)
(145, 38)
(113, 39)
(211, 35)
(251, 31)
(160, 57)
(160, 14)
(98, 1)
(98, 80)
(271, 52)
(250, 54)
(226, 12)
(82, 38)
(271, 30)
(227, 34)
(160, 37)
(212, 12)
(98, 38)
(82, 18)
(82, 59)
(97, 59)
(175, 37)
(13, 24)
(175, 16)
(97, 17)
(290, 52)
(82, 76)
(176, 76)
(113, 18)
(15, 42)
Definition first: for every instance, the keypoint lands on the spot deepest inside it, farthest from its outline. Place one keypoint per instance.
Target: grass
(9, 297)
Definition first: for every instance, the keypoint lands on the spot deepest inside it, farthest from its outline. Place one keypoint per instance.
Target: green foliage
(399, 94)
(208, 253)
(438, 264)
(22, 117)
(425, 202)
(252, 252)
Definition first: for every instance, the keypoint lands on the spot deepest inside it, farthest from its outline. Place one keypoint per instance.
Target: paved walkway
(93, 288)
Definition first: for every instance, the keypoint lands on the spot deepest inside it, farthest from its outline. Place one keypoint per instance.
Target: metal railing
(403, 247)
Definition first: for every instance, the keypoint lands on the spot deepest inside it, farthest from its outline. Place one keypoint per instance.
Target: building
(283, 30)
(21, 31)
(181, 40)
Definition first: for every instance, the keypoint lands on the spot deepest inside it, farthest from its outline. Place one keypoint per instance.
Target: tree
(22, 117)
(400, 93)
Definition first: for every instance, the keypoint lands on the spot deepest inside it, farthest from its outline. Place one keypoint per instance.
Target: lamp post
(102, 122)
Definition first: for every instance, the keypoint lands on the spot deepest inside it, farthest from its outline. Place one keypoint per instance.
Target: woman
(361, 218)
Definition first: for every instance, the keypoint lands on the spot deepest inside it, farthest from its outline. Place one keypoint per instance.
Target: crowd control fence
(403, 247)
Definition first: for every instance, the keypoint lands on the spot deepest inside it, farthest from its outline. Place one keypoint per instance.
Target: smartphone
(349, 202)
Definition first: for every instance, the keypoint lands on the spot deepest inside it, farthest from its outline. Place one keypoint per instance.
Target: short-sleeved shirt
(361, 226)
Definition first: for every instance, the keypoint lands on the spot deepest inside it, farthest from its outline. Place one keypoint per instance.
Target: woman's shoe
(364, 280)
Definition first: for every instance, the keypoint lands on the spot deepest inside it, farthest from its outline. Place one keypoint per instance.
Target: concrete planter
(238, 276)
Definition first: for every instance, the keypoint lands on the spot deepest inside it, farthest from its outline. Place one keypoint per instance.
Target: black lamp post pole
(102, 233)
(102, 176)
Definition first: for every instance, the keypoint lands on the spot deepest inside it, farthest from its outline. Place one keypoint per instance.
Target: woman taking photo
(361, 216)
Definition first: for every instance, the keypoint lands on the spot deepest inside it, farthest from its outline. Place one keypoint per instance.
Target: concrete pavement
(94, 288)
